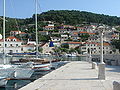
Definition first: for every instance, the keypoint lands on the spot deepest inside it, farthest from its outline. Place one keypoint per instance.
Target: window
(11, 45)
(16, 45)
(8, 39)
(21, 49)
(14, 39)
(10, 51)
(84, 48)
(5, 45)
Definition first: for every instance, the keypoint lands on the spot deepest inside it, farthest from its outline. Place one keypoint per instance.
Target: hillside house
(12, 45)
(49, 28)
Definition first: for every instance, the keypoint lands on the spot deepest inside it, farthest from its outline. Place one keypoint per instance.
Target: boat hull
(23, 73)
(41, 67)
(3, 82)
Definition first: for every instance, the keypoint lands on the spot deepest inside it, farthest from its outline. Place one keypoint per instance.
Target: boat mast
(36, 28)
(4, 31)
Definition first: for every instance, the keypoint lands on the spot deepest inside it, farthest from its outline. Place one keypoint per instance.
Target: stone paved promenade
(76, 75)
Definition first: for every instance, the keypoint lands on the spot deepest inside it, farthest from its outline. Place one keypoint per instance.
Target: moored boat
(71, 55)
(3, 81)
(41, 67)
(16, 71)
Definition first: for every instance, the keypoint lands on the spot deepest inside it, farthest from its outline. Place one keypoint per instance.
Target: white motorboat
(71, 55)
(8, 70)
(3, 81)
(23, 73)
(16, 71)
(41, 67)
(4, 74)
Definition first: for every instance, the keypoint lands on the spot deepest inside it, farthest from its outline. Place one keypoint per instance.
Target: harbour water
(16, 84)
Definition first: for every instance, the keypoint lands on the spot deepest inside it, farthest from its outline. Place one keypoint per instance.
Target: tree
(40, 49)
(43, 38)
(78, 49)
(65, 45)
(116, 43)
(84, 37)
(71, 50)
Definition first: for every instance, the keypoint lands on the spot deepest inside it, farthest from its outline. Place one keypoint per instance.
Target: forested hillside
(71, 17)
(74, 17)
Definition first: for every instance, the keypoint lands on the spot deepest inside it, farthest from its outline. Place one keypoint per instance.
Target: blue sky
(26, 8)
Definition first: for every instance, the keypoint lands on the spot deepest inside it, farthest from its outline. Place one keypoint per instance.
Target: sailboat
(31, 66)
(12, 71)
(36, 67)
(4, 72)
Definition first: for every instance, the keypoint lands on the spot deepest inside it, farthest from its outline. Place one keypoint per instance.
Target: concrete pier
(76, 75)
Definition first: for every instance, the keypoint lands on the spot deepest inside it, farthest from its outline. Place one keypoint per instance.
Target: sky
(26, 8)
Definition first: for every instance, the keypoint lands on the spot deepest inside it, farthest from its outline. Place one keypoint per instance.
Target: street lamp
(101, 72)
(90, 57)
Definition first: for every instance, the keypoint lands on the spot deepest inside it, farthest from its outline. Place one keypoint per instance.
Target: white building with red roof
(95, 48)
(81, 29)
(12, 45)
(48, 28)
(13, 33)
(74, 44)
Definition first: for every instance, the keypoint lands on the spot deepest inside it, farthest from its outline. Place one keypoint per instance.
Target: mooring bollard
(101, 71)
(94, 65)
(116, 85)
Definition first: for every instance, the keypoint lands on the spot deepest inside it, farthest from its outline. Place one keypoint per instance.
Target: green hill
(71, 17)
(76, 17)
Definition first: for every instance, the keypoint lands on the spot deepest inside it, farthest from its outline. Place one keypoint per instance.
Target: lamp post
(90, 57)
(101, 72)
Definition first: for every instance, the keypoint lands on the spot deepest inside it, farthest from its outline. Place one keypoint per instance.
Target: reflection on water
(16, 84)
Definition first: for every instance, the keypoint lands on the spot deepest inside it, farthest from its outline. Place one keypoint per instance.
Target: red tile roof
(15, 31)
(83, 32)
(98, 44)
(75, 33)
(104, 44)
(92, 33)
(22, 33)
(74, 42)
(11, 37)
(81, 27)
(88, 33)
(90, 43)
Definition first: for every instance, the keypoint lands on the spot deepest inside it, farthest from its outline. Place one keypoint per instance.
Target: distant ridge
(76, 17)
(71, 17)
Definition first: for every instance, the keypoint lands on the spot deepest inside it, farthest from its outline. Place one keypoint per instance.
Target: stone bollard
(101, 72)
(94, 65)
(116, 85)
